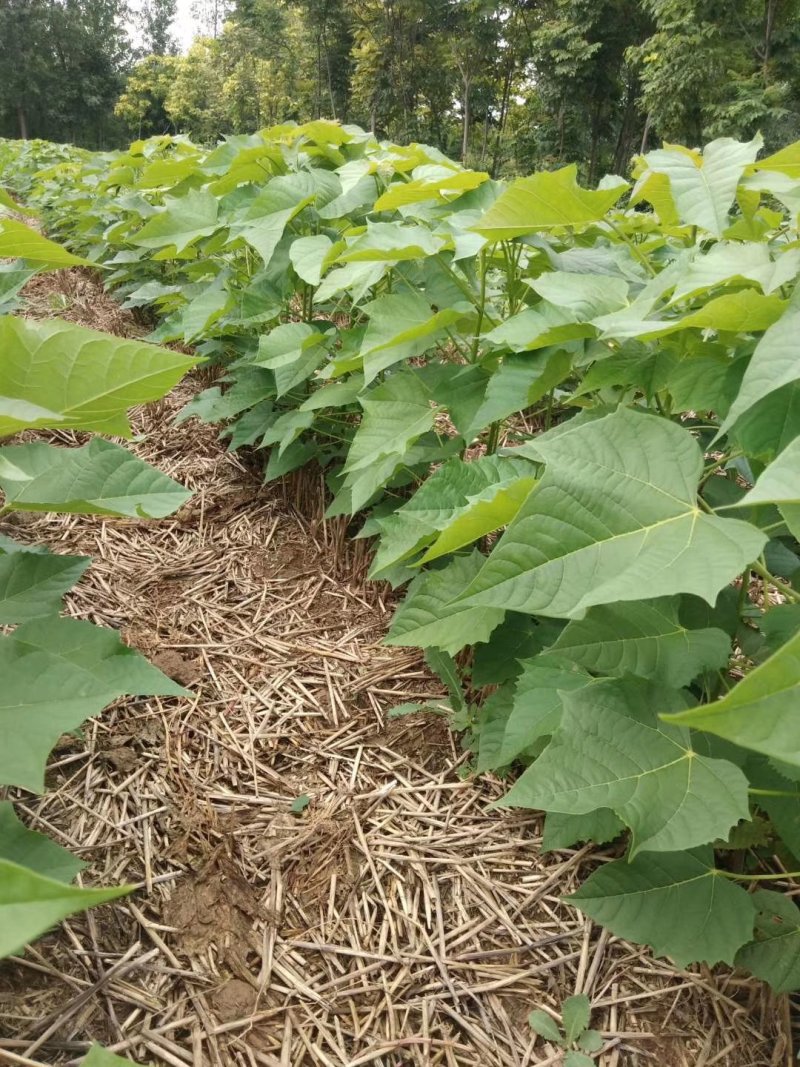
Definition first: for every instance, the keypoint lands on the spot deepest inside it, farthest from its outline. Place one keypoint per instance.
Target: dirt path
(395, 920)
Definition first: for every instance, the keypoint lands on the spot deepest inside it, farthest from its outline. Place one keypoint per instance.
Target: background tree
(154, 22)
(61, 68)
(143, 105)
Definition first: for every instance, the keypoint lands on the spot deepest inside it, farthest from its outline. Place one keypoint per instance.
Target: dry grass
(398, 920)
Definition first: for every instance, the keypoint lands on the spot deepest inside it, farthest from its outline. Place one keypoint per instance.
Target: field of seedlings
(432, 543)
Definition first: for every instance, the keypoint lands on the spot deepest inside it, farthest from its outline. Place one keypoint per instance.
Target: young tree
(154, 20)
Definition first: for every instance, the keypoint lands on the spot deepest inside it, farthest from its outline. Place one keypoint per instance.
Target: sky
(184, 27)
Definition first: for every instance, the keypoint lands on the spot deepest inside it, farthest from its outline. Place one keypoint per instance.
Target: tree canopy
(506, 85)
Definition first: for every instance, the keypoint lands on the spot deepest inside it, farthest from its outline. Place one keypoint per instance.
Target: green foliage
(57, 671)
(576, 1012)
(571, 416)
(100, 1057)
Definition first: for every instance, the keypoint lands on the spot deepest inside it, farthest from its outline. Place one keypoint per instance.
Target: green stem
(648, 266)
(783, 587)
(758, 877)
(493, 438)
(465, 289)
(476, 340)
(772, 793)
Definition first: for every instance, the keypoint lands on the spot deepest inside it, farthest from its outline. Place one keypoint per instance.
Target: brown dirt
(398, 920)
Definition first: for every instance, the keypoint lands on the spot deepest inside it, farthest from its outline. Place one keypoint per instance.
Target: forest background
(507, 87)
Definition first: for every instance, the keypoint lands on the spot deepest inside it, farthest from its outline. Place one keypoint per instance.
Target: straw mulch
(396, 920)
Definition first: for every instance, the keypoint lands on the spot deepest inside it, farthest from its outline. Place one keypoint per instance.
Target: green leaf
(517, 638)
(430, 183)
(391, 242)
(426, 618)
(18, 241)
(727, 261)
(33, 850)
(590, 1041)
(12, 281)
(578, 1059)
(78, 379)
(563, 831)
(643, 638)
(401, 327)
(30, 904)
(181, 222)
(539, 327)
(583, 295)
(293, 351)
(544, 201)
(703, 187)
(396, 414)
(299, 804)
(575, 1015)
(774, 955)
(774, 364)
(308, 256)
(33, 582)
(519, 382)
(761, 711)
(780, 482)
(100, 1057)
(458, 503)
(770, 424)
(545, 1026)
(98, 478)
(533, 712)
(445, 669)
(615, 518)
(676, 902)
(56, 673)
(610, 751)
(8, 201)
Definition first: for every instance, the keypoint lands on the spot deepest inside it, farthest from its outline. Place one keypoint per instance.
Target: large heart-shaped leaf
(99, 478)
(532, 712)
(703, 186)
(614, 518)
(610, 751)
(60, 376)
(644, 638)
(30, 904)
(33, 581)
(424, 619)
(182, 221)
(56, 673)
(676, 902)
(18, 241)
(546, 200)
(458, 503)
(33, 850)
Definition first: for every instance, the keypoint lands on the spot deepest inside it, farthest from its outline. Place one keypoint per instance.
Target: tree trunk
(330, 78)
(465, 134)
(485, 141)
(769, 26)
(645, 134)
(501, 125)
(318, 90)
(23, 122)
